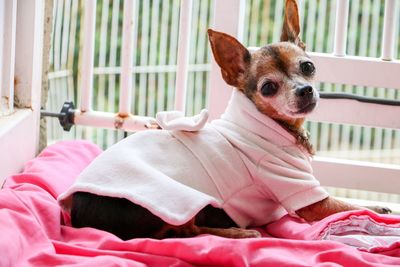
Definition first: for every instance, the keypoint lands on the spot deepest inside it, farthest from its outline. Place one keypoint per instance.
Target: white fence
(21, 31)
(155, 41)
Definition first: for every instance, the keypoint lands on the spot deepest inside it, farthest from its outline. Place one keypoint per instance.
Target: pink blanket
(33, 232)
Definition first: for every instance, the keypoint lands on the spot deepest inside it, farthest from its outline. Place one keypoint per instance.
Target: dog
(275, 82)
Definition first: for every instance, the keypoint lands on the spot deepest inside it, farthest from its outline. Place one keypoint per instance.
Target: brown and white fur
(278, 79)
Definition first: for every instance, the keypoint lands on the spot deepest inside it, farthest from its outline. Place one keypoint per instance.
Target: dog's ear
(291, 24)
(231, 56)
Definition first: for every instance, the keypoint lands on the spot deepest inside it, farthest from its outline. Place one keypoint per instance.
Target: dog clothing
(244, 163)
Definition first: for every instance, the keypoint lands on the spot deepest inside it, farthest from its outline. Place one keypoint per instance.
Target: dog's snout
(306, 90)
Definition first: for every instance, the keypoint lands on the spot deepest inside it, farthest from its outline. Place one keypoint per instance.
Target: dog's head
(278, 77)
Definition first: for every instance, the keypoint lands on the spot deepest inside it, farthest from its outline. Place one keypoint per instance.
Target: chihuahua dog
(278, 80)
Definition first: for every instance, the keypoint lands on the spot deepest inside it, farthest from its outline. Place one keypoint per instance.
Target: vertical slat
(8, 16)
(57, 34)
(310, 41)
(58, 88)
(190, 87)
(321, 29)
(379, 92)
(65, 33)
(185, 19)
(113, 54)
(50, 102)
(200, 56)
(342, 37)
(388, 30)
(88, 54)
(173, 52)
(319, 141)
(363, 51)
(375, 28)
(246, 26)
(375, 134)
(255, 12)
(342, 13)
(229, 18)
(51, 58)
(310, 31)
(162, 51)
(326, 129)
(81, 132)
(4, 92)
(351, 50)
(355, 32)
(331, 128)
(101, 79)
(151, 88)
(112, 62)
(71, 57)
(278, 20)
(135, 52)
(144, 50)
(57, 61)
(266, 23)
(126, 58)
(63, 89)
(373, 32)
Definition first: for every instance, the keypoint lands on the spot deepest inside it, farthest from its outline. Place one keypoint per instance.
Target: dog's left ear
(231, 56)
(291, 24)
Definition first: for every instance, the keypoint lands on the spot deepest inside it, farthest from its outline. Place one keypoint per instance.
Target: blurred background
(155, 54)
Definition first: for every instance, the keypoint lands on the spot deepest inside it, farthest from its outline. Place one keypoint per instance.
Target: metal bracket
(65, 116)
(371, 100)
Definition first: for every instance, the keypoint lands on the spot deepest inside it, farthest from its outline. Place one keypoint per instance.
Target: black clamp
(65, 117)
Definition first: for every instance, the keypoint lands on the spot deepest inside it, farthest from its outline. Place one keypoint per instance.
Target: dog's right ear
(231, 56)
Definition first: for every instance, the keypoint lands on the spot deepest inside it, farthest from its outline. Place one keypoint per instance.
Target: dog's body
(277, 79)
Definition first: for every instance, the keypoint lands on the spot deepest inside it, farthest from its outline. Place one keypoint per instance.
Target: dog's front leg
(232, 232)
(324, 208)
(329, 206)
(189, 229)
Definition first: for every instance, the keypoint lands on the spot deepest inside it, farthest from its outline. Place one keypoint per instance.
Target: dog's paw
(243, 233)
(230, 232)
(380, 210)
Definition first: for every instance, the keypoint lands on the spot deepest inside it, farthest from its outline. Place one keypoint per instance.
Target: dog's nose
(304, 91)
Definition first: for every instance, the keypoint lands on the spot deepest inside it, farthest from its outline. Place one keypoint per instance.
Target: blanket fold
(361, 229)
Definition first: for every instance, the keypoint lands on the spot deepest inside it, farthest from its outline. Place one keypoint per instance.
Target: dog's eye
(307, 68)
(269, 89)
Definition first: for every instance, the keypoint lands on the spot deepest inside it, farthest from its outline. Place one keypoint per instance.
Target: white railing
(389, 30)
(124, 120)
(237, 18)
(21, 30)
(8, 18)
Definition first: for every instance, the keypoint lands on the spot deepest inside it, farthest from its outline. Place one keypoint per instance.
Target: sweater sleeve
(287, 178)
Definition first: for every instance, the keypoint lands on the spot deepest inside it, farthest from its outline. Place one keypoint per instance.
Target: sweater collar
(242, 112)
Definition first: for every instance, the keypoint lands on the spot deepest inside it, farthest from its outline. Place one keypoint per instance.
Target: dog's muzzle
(307, 99)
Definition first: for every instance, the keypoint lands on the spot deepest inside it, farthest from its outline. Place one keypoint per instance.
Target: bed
(35, 232)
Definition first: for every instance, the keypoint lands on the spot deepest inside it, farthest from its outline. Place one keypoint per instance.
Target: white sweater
(244, 163)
